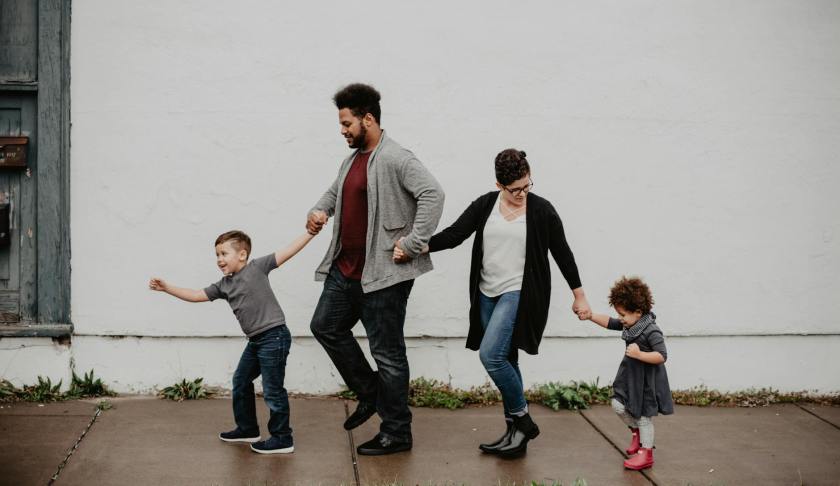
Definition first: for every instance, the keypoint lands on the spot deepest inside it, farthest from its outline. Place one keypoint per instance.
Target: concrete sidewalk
(149, 441)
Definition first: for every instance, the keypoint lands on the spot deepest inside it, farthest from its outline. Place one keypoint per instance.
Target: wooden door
(18, 268)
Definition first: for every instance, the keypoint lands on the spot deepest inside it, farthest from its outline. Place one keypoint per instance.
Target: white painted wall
(693, 143)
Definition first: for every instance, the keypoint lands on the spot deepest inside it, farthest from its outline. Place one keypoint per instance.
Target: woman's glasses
(519, 190)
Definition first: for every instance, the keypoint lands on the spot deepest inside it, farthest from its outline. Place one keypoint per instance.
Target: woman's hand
(400, 255)
(581, 306)
(633, 351)
(157, 284)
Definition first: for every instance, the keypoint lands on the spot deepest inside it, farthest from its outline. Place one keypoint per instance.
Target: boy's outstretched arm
(602, 320)
(189, 295)
(282, 256)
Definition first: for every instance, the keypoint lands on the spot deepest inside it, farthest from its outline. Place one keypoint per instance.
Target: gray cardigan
(404, 199)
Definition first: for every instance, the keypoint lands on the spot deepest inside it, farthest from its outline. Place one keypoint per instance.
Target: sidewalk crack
(647, 474)
(353, 456)
(75, 446)
(815, 415)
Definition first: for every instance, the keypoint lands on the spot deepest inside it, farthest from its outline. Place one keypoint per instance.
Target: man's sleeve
(423, 186)
(327, 201)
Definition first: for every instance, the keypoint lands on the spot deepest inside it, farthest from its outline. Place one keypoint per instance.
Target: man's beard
(358, 142)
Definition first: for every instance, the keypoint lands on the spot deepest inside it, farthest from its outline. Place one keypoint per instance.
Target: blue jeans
(498, 317)
(265, 354)
(341, 306)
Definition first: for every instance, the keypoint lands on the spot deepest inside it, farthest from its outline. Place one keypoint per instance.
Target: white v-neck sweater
(503, 263)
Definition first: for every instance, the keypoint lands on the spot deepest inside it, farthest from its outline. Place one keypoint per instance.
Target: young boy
(246, 288)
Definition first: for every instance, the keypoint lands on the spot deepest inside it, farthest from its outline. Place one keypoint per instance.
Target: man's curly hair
(631, 294)
(511, 165)
(361, 99)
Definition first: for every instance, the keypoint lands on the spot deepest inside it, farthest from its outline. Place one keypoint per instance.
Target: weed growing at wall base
(578, 395)
(186, 390)
(46, 391)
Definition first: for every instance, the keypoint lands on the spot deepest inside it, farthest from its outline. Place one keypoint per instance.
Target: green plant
(44, 391)
(574, 396)
(434, 394)
(424, 392)
(87, 387)
(186, 390)
(104, 405)
(8, 392)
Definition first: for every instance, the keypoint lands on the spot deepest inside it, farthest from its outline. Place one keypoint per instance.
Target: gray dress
(641, 387)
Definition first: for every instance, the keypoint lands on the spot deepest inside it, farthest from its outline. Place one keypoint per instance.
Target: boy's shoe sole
(250, 440)
(285, 450)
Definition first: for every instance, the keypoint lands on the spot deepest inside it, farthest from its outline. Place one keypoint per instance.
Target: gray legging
(644, 424)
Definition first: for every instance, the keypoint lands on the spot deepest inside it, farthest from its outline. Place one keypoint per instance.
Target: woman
(510, 284)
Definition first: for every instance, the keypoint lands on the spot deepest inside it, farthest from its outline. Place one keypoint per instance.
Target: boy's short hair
(511, 165)
(632, 294)
(239, 240)
(361, 99)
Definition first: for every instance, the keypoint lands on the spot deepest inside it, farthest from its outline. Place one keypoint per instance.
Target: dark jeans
(341, 306)
(265, 354)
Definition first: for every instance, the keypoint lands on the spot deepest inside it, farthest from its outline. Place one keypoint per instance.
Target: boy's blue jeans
(265, 354)
(498, 317)
(382, 312)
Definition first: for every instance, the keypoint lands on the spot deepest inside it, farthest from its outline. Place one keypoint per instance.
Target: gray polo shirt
(250, 296)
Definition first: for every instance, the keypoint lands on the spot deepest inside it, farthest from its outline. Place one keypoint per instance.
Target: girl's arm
(282, 256)
(602, 320)
(189, 295)
(650, 357)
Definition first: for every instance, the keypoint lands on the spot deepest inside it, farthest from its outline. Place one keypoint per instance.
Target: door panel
(17, 187)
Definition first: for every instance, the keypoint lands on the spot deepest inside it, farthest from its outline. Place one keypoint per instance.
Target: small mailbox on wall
(13, 152)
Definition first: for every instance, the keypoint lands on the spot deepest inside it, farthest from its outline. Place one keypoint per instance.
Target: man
(382, 197)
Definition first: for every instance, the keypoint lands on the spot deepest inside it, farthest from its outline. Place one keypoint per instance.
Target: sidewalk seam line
(592, 424)
(353, 458)
(815, 415)
(75, 446)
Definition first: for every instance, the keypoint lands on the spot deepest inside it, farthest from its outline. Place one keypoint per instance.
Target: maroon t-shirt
(354, 219)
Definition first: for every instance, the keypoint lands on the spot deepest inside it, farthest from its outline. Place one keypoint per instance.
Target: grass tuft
(186, 390)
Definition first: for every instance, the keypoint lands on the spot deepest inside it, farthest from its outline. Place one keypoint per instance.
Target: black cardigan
(544, 233)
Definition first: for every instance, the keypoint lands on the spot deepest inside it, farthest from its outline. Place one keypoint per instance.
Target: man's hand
(157, 284)
(399, 254)
(315, 222)
(633, 351)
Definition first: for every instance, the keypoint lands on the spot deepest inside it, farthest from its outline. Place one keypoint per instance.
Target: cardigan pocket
(393, 232)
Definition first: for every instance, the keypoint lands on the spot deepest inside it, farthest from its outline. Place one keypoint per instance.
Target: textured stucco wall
(692, 144)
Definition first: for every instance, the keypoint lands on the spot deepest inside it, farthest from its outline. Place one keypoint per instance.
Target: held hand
(315, 222)
(157, 284)
(400, 255)
(581, 308)
(633, 351)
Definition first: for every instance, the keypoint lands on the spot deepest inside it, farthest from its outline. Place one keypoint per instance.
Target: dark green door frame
(52, 232)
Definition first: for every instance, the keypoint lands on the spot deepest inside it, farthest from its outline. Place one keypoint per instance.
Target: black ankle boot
(502, 441)
(524, 429)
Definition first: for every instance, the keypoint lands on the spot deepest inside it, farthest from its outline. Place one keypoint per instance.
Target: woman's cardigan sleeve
(560, 249)
(460, 230)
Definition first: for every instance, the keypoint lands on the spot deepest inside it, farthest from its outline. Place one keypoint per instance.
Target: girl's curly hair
(632, 294)
(511, 165)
